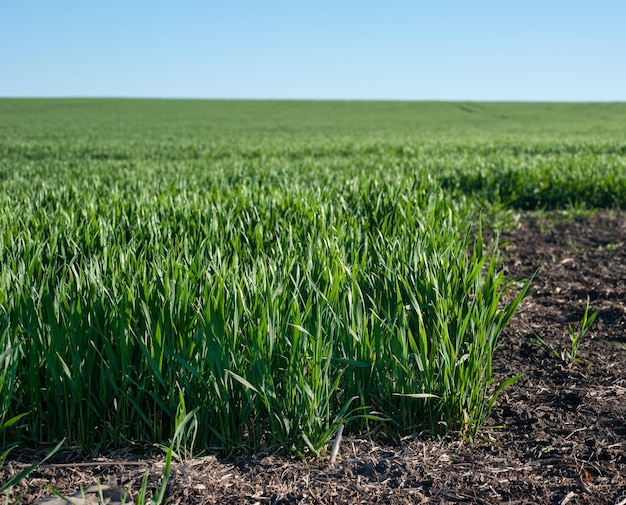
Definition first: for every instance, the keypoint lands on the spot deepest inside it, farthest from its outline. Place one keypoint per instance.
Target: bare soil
(560, 434)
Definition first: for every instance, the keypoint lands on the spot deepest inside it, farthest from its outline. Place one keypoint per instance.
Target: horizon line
(248, 99)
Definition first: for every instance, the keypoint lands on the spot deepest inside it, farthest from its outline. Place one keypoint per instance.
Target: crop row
(274, 312)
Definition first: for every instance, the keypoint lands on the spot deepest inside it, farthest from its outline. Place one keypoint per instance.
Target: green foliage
(277, 269)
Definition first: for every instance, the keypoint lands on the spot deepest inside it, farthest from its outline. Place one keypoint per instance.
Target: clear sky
(531, 50)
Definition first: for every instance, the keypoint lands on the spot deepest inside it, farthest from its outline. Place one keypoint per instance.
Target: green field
(276, 268)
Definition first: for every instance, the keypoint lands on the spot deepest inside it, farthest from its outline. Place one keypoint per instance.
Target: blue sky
(397, 50)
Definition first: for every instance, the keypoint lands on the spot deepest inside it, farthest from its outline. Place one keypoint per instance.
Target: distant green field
(207, 122)
(277, 268)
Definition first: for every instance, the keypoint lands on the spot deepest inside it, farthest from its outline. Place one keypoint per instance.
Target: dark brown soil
(562, 434)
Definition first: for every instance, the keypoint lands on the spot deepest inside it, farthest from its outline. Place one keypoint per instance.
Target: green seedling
(576, 336)
(570, 354)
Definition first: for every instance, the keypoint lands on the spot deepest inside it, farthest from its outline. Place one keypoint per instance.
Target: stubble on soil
(562, 434)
